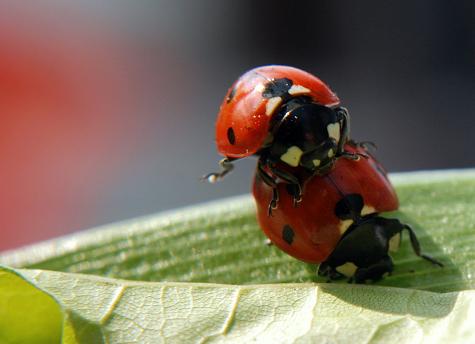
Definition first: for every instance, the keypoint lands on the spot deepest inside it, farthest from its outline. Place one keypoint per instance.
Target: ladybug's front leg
(270, 181)
(344, 120)
(294, 187)
(226, 167)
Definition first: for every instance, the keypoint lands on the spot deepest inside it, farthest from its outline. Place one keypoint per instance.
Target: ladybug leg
(273, 202)
(330, 272)
(375, 271)
(417, 247)
(226, 166)
(267, 179)
(295, 191)
(367, 145)
(353, 156)
(294, 184)
(344, 119)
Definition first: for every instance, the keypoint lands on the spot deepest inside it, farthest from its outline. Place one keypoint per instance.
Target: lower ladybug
(336, 223)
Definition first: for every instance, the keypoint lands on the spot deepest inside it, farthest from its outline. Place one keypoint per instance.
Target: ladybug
(337, 223)
(286, 117)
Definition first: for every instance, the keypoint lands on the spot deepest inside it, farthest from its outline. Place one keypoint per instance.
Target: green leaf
(27, 315)
(103, 310)
(268, 296)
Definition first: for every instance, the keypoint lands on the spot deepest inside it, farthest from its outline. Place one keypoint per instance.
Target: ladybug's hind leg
(417, 247)
(267, 179)
(374, 271)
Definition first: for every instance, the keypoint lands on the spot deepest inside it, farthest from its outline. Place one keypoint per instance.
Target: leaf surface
(216, 280)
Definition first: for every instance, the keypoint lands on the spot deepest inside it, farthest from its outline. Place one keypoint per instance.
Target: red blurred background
(107, 109)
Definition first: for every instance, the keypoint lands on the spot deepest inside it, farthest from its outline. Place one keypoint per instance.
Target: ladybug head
(308, 134)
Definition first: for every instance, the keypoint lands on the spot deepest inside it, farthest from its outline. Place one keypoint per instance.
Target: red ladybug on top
(284, 116)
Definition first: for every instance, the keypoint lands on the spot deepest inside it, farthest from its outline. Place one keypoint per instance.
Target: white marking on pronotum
(367, 209)
(348, 269)
(292, 156)
(298, 89)
(344, 225)
(260, 88)
(331, 153)
(316, 162)
(272, 104)
(334, 131)
(395, 242)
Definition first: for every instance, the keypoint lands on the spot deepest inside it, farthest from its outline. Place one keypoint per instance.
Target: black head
(305, 134)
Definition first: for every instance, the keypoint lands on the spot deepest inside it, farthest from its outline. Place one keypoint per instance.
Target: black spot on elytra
(231, 136)
(349, 207)
(231, 95)
(288, 234)
(277, 88)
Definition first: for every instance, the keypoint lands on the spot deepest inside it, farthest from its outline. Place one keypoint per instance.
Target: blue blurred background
(107, 108)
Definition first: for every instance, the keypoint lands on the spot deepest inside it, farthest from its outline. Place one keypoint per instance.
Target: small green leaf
(267, 295)
(27, 315)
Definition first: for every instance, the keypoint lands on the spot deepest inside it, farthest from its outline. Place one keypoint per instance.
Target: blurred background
(107, 108)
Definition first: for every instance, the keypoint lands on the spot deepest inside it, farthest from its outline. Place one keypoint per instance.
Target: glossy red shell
(314, 223)
(244, 108)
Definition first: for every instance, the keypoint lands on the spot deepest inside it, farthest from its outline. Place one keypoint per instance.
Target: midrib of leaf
(221, 242)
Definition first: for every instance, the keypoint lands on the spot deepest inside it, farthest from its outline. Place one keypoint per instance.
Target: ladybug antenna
(226, 166)
(366, 145)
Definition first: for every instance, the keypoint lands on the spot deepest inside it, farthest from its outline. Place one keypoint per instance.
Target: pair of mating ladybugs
(318, 193)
